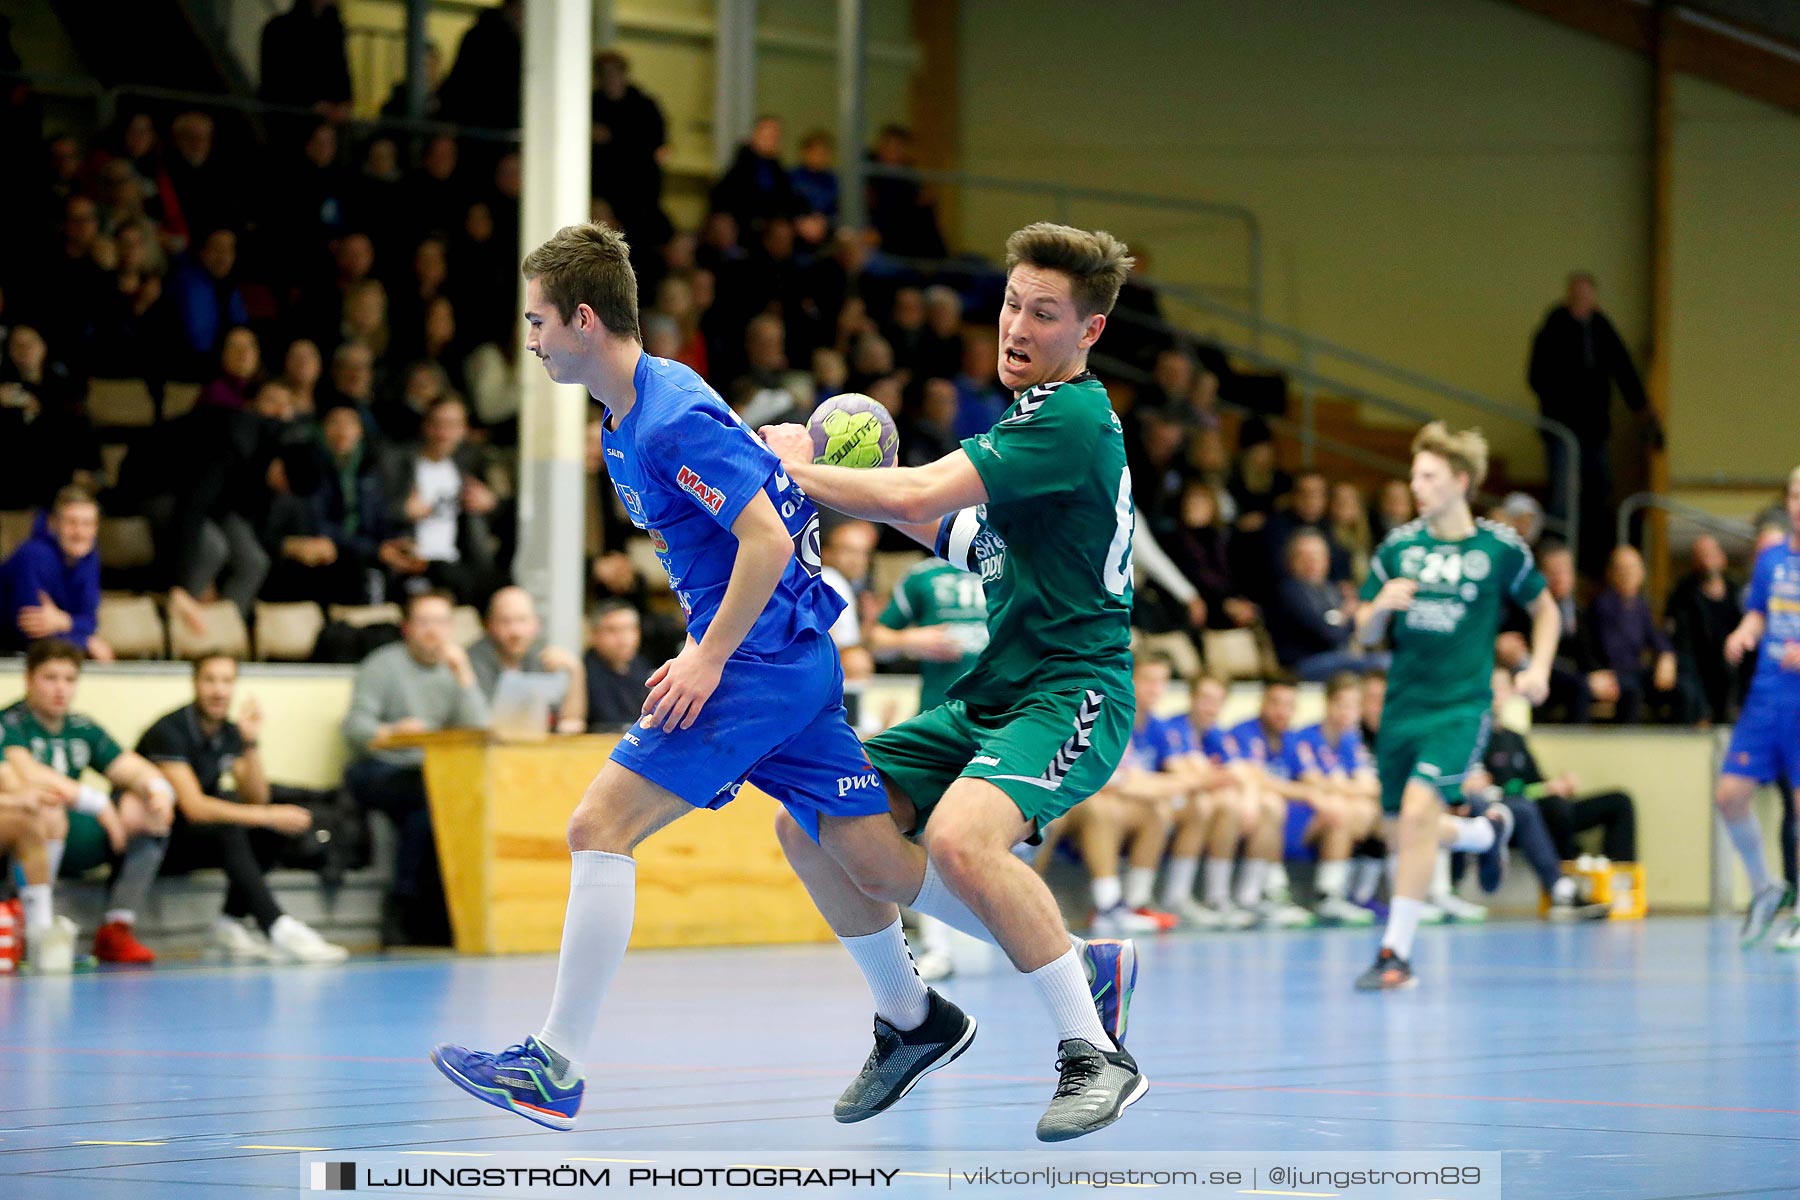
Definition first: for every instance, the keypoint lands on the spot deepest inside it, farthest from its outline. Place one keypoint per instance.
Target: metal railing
(1725, 527)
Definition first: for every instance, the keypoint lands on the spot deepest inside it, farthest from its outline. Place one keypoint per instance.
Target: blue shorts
(776, 721)
(1765, 746)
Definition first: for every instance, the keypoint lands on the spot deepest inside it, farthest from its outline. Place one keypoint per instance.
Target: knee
(958, 856)
(591, 829)
(1732, 798)
(796, 844)
(53, 821)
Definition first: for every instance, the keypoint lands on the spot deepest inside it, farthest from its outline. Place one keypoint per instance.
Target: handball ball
(853, 430)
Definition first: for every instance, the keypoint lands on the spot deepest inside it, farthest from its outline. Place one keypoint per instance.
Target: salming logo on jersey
(1071, 751)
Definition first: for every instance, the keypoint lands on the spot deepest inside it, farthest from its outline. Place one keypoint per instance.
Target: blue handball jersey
(1316, 752)
(1775, 593)
(685, 466)
(1251, 744)
(1159, 740)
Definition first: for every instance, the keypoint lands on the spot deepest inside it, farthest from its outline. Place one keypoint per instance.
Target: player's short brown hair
(1465, 450)
(52, 650)
(1341, 682)
(68, 497)
(1153, 658)
(414, 599)
(591, 265)
(1096, 262)
(214, 656)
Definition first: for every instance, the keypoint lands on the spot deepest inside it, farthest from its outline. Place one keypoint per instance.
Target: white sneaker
(295, 941)
(1335, 910)
(1457, 909)
(1277, 915)
(1119, 921)
(1193, 913)
(934, 965)
(228, 939)
(52, 951)
(1791, 939)
(1431, 914)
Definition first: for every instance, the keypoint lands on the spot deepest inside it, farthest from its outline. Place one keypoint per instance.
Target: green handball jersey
(934, 593)
(80, 743)
(1052, 546)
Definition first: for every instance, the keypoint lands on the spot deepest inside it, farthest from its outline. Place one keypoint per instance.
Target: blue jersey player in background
(1765, 746)
(756, 693)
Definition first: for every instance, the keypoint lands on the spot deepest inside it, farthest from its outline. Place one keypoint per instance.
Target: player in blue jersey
(1765, 746)
(1346, 797)
(756, 693)
(1266, 745)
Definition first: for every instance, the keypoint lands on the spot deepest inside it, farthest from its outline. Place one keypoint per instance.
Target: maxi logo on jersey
(711, 497)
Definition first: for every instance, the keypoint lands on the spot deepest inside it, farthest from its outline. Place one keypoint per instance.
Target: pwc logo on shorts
(711, 497)
(858, 783)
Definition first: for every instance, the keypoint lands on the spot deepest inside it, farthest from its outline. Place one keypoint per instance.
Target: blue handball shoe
(518, 1079)
(1112, 976)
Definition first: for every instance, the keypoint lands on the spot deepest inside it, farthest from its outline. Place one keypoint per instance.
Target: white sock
(935, 899)
(53, 850)
(1217, 884)
(1140, 882)
(1563, 891)
(38, 913)
(123, 916)
(1403, 922)
(602, 900)
(893, 980)
(1333, 879)
(1473, 834)
(1392, 863)
(1366, 877)
(1178, 884)
(1250, 882)
(1064, 987)
(1746, 835)
(1440, 876)
(1108, 894)
(1276, 885)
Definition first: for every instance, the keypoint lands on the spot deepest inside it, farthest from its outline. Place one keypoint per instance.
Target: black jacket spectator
(304, 62)
(1703, 609)
(756, 186)
(1574, 364)
(482, 89)
(629, 130)
(615, 698)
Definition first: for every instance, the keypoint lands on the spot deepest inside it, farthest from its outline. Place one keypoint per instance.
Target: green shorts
(1048, 754)
(1439, 750)
(86, 846)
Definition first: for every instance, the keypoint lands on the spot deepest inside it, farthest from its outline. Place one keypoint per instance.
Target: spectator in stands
(1349, 528)
(353, 384)
(904, 328)
(1576, 680)
(138, 145)
(756, 186)
(515, 642)
(322, 304)
(413, 686)
(901, 210)
(1703, 609)
(304, 63)
(1212, 466)
(1576, 358)
(631, 141)
(1256, 483)
(131, 330)
(1628, 640)
(1308, 509)
(847, 552)
(72, 285)
(207, 301)
(243, 832)
(769, 393)
(45, 444)
(435, 197)
(1393, 508)
(675, 300)
(483, 86)
(1200, 549)
(301, 370)
(815, 180)
(397, 104)
(365, 318)
(205, 187)
(315, 198)
(1309, 621)
(240, 363)
(435, 493)
(427, 280)
(932, 434)
(616, 673)
(51, 583)
(1523, 514)
(941, 354)
(1548, 813)
(50, 747)
(326, 546)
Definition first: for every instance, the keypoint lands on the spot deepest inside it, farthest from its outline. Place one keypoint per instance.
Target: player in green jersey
(1040, 509)
(937, 615)
(49, 748)
(1444, 582)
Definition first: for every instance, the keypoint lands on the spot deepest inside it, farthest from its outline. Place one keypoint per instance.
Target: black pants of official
(1610, 811)
(399, 791)
(243, 853)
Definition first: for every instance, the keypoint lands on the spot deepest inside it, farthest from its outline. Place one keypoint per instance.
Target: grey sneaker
(1095, 1088)
(1761, 914)
(902, 1057)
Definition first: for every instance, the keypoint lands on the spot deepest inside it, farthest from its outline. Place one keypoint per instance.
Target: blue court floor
(1646, 1060)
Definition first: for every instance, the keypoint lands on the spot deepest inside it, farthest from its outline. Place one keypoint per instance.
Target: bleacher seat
(131, 625)
(112, 456)
(287, 632)
(120, 404)
(126, 542)
(15, 527)
(465, 625)
(179, 398)
(889, 567)
(1232, 653)
(1178, 648)
(223, 632)
(361, 616)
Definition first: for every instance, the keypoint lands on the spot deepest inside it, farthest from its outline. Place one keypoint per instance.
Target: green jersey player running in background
(1039, 508)
(1444, 582)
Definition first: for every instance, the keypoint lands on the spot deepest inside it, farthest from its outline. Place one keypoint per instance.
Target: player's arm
(135, 773)
(680, 687)
(1546, 632)
(912, 499)
(203, 809)
(1382, 597)
(1150, 786)
(36, 775)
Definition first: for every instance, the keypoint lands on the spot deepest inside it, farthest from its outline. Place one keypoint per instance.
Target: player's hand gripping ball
(852, 430)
